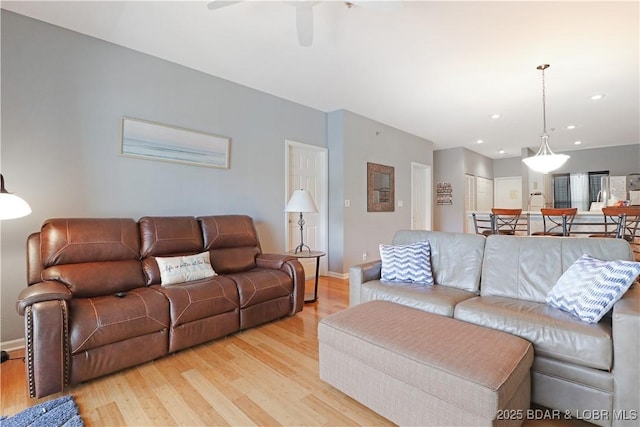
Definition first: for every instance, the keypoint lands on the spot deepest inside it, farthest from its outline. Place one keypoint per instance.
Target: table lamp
(301, 201)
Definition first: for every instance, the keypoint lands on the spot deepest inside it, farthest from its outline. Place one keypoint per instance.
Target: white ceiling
(438, 70)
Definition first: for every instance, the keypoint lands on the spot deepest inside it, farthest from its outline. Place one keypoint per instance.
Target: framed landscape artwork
(155, 141)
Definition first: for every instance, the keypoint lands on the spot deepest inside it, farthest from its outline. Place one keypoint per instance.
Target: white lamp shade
(12, 206)
(545, 163)
(301, 201)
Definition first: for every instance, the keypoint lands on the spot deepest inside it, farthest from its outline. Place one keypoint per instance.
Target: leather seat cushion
(99, 321)
(260, 285)
(554, 333)
(200, 299)
(435, 299)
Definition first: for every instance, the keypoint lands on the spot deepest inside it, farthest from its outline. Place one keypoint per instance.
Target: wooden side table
(310, 254)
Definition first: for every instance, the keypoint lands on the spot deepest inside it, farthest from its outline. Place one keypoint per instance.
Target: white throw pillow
(590, 287)
(180, 269)
(406, 263)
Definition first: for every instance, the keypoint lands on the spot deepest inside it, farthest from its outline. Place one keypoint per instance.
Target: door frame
(322, 202)
(428, 199)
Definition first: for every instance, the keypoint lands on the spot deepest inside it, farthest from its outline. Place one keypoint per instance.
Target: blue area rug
(58, 412)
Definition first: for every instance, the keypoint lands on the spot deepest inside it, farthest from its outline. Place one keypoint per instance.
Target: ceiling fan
(304, 14)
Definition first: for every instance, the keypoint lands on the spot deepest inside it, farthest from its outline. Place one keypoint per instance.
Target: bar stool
(556, 222)
(510, 221)
(484, 225)
(615, 219)
(630, 231)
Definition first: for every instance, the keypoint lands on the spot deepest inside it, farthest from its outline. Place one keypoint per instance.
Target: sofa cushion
(456, 258)
(527, 268)
(554, 333)
(232, 241)
(186, 268)
(433, 299)
(78, 240)
(169, 236)
(93, 279)
(260, 285)
(406, 263)
(108, 319)
(200, 299)
(590, 287)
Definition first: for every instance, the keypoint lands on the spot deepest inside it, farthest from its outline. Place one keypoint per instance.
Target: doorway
(307, 168)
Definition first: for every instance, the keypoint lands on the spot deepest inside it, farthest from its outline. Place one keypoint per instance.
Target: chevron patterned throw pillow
(590, 287)
(407, 263)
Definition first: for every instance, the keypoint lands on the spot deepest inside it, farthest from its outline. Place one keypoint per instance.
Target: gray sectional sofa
(590, 371)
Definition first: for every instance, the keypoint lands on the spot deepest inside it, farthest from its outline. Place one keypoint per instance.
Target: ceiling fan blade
(382, 5)
(304, 22)
(218, 4)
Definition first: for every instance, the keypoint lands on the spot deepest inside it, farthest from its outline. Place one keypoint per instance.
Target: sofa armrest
(47, 354)
(359, 274)
(293, 268)
(626, 353)
(272, 260)
(40, 292)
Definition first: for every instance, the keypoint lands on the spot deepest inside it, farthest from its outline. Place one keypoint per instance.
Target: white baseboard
(12, 345)
(342, 276)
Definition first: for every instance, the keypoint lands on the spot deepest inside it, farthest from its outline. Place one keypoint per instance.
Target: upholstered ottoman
(421, 369)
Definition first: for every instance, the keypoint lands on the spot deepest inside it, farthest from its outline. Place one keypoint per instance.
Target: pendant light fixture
(545, 160)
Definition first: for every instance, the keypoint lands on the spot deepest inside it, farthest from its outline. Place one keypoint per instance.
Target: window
(562, 189)
(595, 184)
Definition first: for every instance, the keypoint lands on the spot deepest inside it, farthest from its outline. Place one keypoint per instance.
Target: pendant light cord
(544, 103)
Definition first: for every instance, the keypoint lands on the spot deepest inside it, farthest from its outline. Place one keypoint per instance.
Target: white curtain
(579, 184)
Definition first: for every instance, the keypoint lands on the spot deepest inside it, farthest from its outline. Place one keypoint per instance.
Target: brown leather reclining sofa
(77, 328)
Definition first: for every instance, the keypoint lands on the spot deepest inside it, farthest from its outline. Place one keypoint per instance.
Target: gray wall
(451, 166)
(354, 141)
(63, 95)
(620, 160)
(511, 166)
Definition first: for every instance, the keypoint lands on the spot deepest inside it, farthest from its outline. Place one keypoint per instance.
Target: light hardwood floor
(265, 376)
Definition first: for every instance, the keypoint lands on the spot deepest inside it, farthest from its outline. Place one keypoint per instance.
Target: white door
(469, 200)
(307, 170)
(508, 192)
(484, 194)
(421, 186)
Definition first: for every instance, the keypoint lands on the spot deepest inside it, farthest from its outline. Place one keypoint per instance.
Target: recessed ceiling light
(479, 141)
(597, 97)
(495, 116)
(578, 142)
(502, 151)
(571, 127)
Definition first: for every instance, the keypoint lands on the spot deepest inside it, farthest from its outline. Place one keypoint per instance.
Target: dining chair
(484, 224)
(510, 221)
(556, 221)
